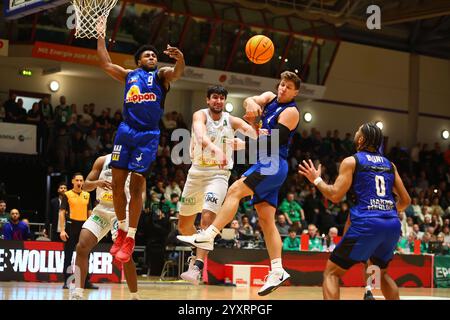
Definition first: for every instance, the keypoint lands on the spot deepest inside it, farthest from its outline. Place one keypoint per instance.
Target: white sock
(79, 292)
(134, 296)
(212, 232)
(276, 264)
(131, 232)
(123, 225)
(368, 288)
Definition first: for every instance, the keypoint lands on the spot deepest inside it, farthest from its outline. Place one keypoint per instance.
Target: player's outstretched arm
(199, 128)
(115, 71)
(342, 184)
(240, 125)
(404, 200)
(171, 74)
(92, 180)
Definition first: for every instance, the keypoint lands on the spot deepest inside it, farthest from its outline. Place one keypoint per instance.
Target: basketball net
(91, 17)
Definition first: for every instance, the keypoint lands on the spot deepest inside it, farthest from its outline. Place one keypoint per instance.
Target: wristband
(317, 181)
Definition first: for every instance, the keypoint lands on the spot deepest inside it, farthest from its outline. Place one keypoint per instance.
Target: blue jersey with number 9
(373, 182)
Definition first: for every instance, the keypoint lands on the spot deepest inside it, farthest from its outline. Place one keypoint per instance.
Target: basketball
(259, 49)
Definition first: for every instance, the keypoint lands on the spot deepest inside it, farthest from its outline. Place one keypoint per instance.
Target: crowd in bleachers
(74, 138)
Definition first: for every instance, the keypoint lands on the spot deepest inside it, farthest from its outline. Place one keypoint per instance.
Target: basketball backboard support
(14, 9)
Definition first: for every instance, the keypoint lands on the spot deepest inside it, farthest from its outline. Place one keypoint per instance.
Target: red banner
(37, 261)
(306, 268)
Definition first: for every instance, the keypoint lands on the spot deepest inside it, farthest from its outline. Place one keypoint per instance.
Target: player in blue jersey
(375, 227)
(279, 119)
(137, 138)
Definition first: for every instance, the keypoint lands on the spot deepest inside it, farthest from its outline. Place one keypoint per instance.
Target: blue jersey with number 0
(373, 183)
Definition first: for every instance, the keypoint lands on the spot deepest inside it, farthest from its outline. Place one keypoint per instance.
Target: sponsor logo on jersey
(134, 95)
(99, 220)
(211, 197)
(188, 200)
(107, 197)
(132, 80)
(138, 159)
(115, 155)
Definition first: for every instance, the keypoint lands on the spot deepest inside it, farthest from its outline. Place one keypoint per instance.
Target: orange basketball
(259, 49)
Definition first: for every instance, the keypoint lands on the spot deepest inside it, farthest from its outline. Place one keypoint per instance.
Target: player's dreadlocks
(373, 137)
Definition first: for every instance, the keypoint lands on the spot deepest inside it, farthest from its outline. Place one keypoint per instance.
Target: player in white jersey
(212, 146)
(102, 220)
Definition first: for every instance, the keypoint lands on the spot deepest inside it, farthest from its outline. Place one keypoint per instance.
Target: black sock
(199, 264)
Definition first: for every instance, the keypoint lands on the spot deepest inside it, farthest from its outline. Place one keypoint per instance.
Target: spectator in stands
(425, 243)
(172, 207)
(404, 224)
(103, 122)
(315, 242)
(330, 240)
(63, 146)
(107, 143)
(313, 206)
(11, 108)
(93, 143)
(159, 190)
(282, 225)
(85, 122)
(16, 229)
(4, 216)
(55, 203)
(417, 232)
(446, 233)
(293, 211)
(406, 243)
(22, 112)
(172, 188)
(246, 229)
(292, 242)
(163, 147)
(77, 151)
(62, 113)
(116, 120)
(436, 208)
(34, 115)
(415, 211)
(46, 109)
(92, 111)
(436, 222)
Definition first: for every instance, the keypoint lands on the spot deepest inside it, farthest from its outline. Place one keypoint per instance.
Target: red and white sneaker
(121, 235)
(125, 253)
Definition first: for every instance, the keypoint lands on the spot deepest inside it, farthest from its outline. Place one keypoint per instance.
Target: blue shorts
(134, 150)
(370, 238)
(266, 179)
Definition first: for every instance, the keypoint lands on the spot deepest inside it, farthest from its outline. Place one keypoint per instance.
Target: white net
(91, 16)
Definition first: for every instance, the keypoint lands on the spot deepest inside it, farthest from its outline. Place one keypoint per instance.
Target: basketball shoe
(126, 251)
(121, 235)
(200, 240)
(273, 280)
(193, 273)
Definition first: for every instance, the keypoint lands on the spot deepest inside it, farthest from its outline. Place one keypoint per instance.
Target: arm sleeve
(283, 136)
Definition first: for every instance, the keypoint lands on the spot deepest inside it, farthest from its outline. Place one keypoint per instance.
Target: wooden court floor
(180, 290)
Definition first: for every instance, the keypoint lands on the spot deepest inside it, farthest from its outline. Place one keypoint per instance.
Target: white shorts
(102, 220)
(204, 190)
